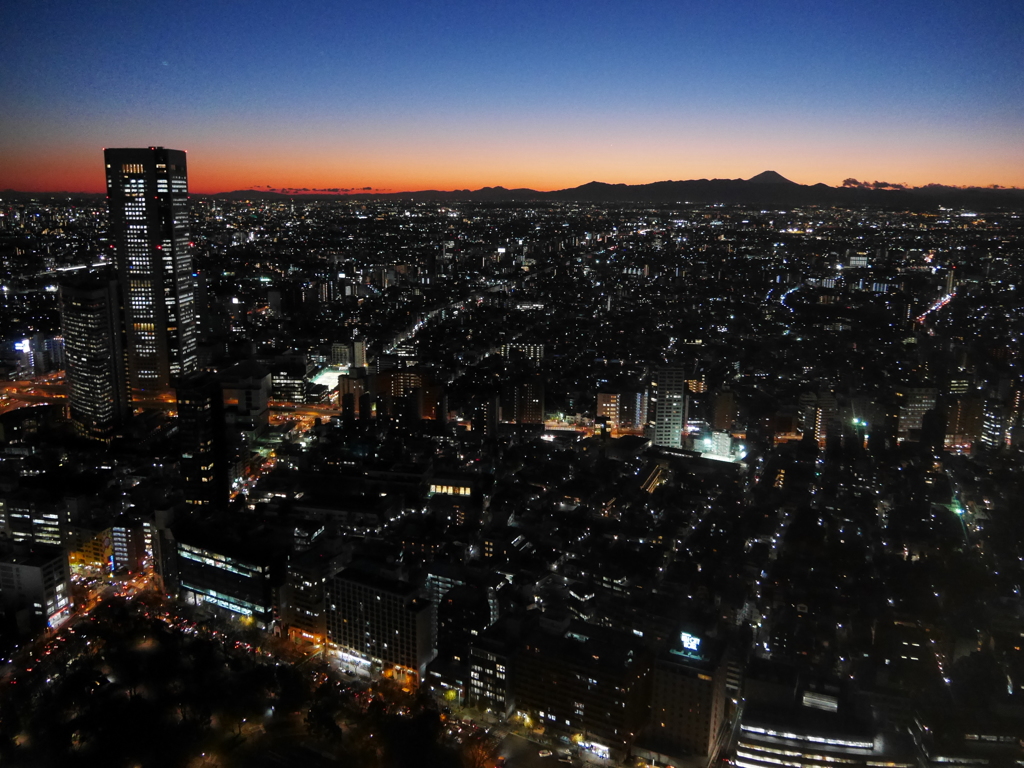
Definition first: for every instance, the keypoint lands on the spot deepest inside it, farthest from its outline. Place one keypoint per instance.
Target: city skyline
(689, 482)
(404, 98)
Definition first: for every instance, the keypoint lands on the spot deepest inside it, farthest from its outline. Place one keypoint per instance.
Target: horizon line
(373, 191)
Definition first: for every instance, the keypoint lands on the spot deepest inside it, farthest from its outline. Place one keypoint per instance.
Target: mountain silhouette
(768, 189)
(769, 177)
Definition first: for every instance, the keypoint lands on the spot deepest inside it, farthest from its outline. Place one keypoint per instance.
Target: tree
(478, 751)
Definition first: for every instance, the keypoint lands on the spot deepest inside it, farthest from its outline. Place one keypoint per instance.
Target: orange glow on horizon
(222, 169)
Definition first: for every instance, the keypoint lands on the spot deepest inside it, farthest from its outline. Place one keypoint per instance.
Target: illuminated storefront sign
(689, 646)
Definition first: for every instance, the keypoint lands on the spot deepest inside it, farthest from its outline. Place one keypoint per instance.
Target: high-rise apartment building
(90, 311)
(608, 407)
(670, 409)
(522, 402)
(147, 192)
(379, 623)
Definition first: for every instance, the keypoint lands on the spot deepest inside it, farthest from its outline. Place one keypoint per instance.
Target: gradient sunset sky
(453, 95)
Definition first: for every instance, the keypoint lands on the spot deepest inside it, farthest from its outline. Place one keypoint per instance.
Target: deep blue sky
(411, 95)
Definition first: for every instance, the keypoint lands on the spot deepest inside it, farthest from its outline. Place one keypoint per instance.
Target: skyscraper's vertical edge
(147, 192)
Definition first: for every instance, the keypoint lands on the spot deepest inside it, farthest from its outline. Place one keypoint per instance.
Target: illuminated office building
(914, 403)
(802, 742)
(129, 544)
(608, 407)
(98, 401)
(241, 583)
(33, 516)
(379, 624)
(147, 192)
(35, 586)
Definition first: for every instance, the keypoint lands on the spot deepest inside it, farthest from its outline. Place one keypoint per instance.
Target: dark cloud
(888, 185)
(855, 184)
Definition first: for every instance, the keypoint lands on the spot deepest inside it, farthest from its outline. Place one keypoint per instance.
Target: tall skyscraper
(147, 192)
(90, 310)
(201, 428)
(670, 409)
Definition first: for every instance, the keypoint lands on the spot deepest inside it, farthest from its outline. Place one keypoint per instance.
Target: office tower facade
(35, 516)
(129, 543)
(670, 409)
(914, 403)
(964, 419)
(38, 354)
(491, 662)
(380, 624)
(201, 427)
(98, 400)
(240, 582)
(623, 409)
(35, 586)
(147, 192)
(725, 412)
(588, 680)
(246, 386)
(688, 696)
(993, 424)
(303, 610)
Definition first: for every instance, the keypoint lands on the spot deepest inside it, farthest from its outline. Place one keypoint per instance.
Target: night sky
(417, 95)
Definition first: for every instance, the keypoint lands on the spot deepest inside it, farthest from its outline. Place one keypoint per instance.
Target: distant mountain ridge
(769, 189)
